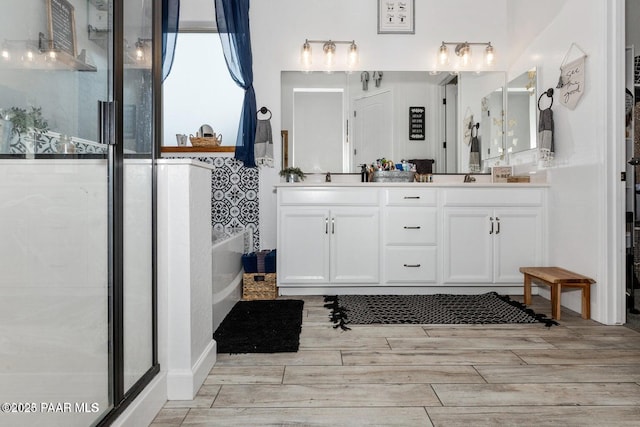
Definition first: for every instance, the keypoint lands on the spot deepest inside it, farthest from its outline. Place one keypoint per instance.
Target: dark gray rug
(442, 309)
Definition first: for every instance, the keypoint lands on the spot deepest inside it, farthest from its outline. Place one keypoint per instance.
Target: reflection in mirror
(337, 121)
(492, 124)
(521, 118)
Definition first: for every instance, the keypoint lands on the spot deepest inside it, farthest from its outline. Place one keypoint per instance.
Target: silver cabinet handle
(326, 226)
(498, 222)
(409, 227)
(491, 231)
(412, 265)
(333, 226)
(412, 197)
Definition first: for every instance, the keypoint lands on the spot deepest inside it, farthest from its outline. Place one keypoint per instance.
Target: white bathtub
(227, 272)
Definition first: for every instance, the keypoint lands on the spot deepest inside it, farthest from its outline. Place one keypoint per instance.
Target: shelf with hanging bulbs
(40, 54)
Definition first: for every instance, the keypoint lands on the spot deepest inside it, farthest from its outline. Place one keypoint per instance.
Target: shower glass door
(54, 217)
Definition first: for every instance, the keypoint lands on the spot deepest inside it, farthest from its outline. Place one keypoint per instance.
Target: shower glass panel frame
(77, 208)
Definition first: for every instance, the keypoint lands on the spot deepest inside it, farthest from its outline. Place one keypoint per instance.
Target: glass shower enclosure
(76, 209)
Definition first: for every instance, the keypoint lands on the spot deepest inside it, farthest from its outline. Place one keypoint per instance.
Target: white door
(373, 128)
(303, 246)
(355, 245)
(468, 246)
(518, 242)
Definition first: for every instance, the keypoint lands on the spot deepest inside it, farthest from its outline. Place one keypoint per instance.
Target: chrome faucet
(469, 178)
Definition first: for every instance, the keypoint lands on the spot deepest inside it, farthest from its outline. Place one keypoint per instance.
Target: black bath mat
(445, 309)
(261, 327)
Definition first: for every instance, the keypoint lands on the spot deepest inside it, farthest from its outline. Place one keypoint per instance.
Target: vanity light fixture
(329, 50)
(463, 50)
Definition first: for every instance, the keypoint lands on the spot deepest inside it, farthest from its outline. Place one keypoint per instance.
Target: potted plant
(27, 121)
(292, 174)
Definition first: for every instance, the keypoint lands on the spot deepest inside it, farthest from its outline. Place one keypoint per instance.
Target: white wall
(581, 178)
(279, 28)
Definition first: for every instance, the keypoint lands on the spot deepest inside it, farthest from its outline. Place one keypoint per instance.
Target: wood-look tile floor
(580, 373)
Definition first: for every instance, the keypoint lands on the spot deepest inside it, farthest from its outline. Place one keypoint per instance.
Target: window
(199, 90)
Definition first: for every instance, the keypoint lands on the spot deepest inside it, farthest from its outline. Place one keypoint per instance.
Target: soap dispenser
(364, 175)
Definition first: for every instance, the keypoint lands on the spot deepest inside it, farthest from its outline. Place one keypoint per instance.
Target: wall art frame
(396, 16)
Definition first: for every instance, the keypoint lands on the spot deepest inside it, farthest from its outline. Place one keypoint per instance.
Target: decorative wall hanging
(572, 78)
(396, 16)
(417, 123)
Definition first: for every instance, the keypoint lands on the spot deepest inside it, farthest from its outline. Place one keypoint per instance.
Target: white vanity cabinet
(490, 233)
(410, 228)
(393, 238)
(328, 238)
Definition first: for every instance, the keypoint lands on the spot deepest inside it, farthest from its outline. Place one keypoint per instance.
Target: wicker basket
(207, 141)
(259, 286)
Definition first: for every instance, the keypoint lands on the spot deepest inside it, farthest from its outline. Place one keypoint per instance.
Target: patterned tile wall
(235, 202)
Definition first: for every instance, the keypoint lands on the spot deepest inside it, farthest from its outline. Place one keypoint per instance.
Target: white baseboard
(184, 384)
(146, 406)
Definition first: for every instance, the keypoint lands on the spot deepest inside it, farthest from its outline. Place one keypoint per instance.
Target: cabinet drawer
(411, 196)
(410, 226)
(328, 196)
(493, 197)
(411, 264)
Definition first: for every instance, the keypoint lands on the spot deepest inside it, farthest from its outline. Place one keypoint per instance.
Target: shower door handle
(106, 122)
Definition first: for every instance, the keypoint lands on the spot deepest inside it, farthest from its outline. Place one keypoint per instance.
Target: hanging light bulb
(329, 49)
(352, 59)
(489, 55)
(139, 51)
(305, 56)
(29, 55)
(5, 53)
(463, 50)
(443, 54)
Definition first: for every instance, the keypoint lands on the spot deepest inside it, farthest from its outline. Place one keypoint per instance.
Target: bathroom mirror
(337, 121)
(521, 129)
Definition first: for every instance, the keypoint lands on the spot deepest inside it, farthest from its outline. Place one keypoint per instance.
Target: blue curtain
(170, 18)
(232, 19)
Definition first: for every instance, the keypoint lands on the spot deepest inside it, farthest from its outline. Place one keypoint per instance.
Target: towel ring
(476, 127)
(265, 110)
(549, 93)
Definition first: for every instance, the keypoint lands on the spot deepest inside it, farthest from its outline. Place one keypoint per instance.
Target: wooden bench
(557, 278)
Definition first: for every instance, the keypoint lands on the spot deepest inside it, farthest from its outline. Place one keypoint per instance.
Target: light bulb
(305, 56)
(352, 59)
(489, 55)
(443, 55)
(139, 51)
(329, 49)
(29, 55)
(5, 54)
(465, 55)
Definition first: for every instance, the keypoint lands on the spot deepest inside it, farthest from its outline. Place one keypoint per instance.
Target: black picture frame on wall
(396, 16)
(62, 26)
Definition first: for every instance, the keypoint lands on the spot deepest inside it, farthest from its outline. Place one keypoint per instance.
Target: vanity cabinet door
(303, 247)
(490, 245)
(517, 243)
(355, 245)
(467, 245)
